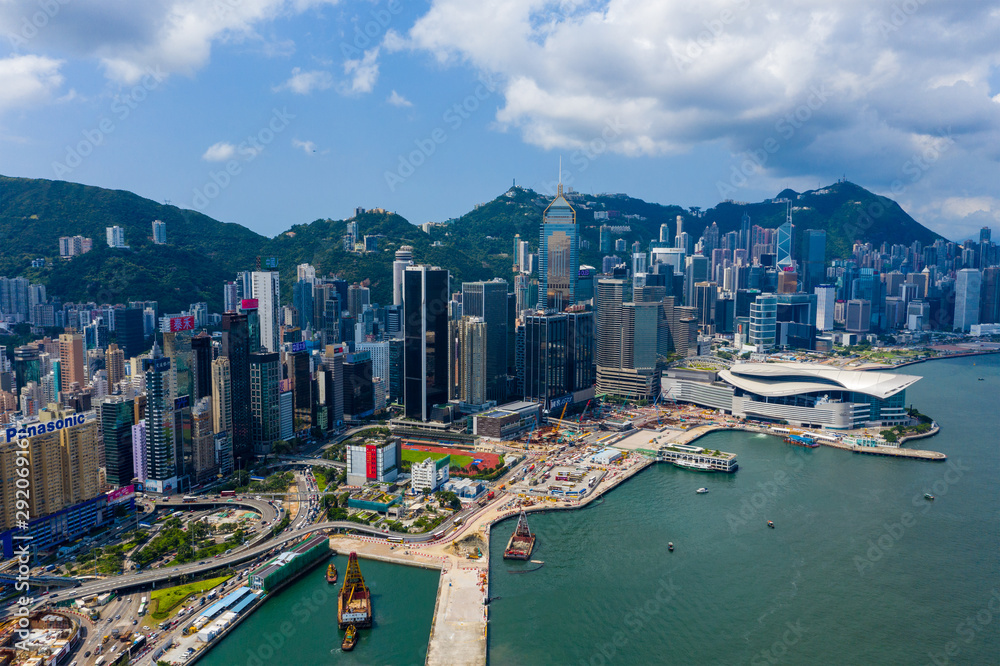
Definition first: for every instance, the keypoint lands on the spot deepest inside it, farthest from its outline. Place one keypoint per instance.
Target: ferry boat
(693, 465)
(928, 496)
(770, 524)
(801, 440)
(331, 573)
(350, 638)
(670, 546)
(702, 491)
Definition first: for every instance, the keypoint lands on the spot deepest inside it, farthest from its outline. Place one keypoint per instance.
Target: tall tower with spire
(559, 253)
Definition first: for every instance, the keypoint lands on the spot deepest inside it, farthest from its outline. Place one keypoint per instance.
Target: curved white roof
(783, 379)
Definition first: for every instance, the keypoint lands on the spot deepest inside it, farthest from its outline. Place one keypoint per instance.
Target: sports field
(460, 460)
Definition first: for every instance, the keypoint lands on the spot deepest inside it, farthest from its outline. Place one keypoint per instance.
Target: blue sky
(271, 113)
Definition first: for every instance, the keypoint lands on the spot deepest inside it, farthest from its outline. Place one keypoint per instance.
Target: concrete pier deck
(458, 634)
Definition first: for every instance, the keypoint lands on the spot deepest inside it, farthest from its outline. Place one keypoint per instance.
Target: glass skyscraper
(558, 255)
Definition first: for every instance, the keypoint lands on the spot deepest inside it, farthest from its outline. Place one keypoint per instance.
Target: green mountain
(202, 252)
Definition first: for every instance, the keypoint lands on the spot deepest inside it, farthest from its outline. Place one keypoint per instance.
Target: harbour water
(860, 568)
(299, 624)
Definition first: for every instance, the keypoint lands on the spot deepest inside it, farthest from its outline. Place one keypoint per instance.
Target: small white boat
(702, 491)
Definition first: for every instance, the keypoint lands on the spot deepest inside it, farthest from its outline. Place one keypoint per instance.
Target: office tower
(815, 259)
(558, 254)
(114, 363)
(788, 282)
(116, 237)
(230, 297)
(265, 373)
(236, 347)
(968, 289)
(177, 347)
(705, 295)
(27, 365)
(117, 418)
(201, 349)
(488, 301)
(639, 263)
(203, 459)
(585, 284)
(404, 258)
(357, 298)
(471, 372)
(159, 232)
(302, 301)
(267, 291)
(161, 457)
(664, 233)
(858, 315)
(989, 312)
(609, 299)
(826, 299)
(695, 271)
(222, 414)
(72, 360)
(130, 332)
(425, 335)
(546, 356)
(763, 322)
(786, 241)
(359, 390)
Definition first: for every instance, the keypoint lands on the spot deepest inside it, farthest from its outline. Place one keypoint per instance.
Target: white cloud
(364, 71)
(850, 86)
(129, 38)
(219, 152)
(398, 100)
(28, 80)
(308, 147)
(304, 82)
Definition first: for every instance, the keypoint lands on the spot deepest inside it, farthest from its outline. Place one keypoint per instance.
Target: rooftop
(783, 379)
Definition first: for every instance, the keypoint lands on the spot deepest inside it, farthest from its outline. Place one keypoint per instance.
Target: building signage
(298, 346)
(182, 402)
(555, 403)
(249, 304)
(185, 323)
(42, 428)
(284, 385)
(122, 494)
(161, 364)
(371, 461)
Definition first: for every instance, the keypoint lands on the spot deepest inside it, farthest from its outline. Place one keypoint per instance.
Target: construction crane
(583, 413)
(354, 602)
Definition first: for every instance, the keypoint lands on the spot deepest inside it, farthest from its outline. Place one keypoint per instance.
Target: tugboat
(331, 573)
(350, 638)
(670, 546)
(770, 524)
(928, 496)
(702, 491)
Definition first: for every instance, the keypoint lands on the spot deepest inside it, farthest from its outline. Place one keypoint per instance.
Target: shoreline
(936, 358)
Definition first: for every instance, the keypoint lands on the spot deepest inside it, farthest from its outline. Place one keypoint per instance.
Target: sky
(271, 113)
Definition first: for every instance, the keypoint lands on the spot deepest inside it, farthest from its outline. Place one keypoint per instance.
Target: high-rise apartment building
(471, 373)
(161, 455)
(159, 232)
(114, 363)
(404, 258)
(116, 237)
(72, 360)
(267, 291)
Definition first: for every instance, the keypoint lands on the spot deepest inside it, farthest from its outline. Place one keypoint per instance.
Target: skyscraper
(786, 241)
(425, 335)
(236, 347)
(265, 411)
(826, 300)
(968, 288)
(471, 374)
(815, 264)
(267, 291)
(488, 300)
(763, 322)
(161, 457)
(72, 360)
(404, 258)
(201, 349)
(114, 363)
(117, 419)
(558, 254)
(130, 332)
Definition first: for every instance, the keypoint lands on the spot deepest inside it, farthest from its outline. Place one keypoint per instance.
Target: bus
(142, 609)
(227, 493)
(395, 539)
(189, 498)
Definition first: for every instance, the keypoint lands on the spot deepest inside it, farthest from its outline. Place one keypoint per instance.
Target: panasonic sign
(42, 428)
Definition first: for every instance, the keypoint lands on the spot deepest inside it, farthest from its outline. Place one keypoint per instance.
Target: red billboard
(182, 323)
(371, 461)
(249, 304)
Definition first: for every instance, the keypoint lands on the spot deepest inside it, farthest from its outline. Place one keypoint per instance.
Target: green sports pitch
(457, 462)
